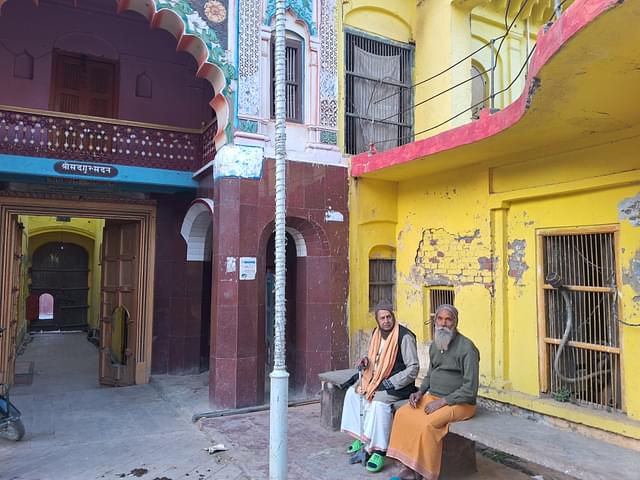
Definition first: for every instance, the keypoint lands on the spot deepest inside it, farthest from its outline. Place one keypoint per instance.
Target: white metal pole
(278, 442)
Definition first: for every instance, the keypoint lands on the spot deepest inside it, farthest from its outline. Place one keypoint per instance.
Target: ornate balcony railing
(74, 137)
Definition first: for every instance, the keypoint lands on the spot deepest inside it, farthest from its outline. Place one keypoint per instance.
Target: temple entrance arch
(135, 295)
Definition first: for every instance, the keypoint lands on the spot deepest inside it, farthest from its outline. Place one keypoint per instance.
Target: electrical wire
(441, 72)
(502, 37)
(466, 109)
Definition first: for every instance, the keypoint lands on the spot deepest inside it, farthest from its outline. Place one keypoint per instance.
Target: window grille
(294, 88)
(589, 367)
(382, 274)
(438, 296)
(378, 93)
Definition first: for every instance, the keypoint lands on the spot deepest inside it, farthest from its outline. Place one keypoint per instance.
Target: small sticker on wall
(231, 264)
(248, 268)
(333, 216)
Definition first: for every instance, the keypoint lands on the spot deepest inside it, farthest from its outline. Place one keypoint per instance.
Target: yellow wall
(444, 32)
(469, 228)
(487, 24)
(85, 232)
(374, 207)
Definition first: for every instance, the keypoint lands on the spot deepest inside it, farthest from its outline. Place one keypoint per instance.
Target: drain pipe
(240, 411)
(554, 279)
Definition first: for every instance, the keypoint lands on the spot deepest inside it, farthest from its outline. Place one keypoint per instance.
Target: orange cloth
(371, 379)
(416, 437)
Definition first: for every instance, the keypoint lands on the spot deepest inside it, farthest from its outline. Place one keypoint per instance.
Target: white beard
(443, 337)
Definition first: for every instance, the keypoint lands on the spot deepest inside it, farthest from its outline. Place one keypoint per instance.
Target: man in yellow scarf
(389, 373)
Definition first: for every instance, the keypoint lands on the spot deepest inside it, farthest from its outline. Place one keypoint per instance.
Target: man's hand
(434, 405)
(414, 398)
(363, 363)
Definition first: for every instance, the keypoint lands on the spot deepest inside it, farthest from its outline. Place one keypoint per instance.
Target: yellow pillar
(499, 300)
(442, 36)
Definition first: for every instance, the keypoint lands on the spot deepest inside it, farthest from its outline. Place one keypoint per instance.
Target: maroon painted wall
(242, 224)
(94, 28)
(178, 293)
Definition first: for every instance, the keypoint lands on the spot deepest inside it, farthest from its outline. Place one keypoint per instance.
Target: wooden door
(84, 85)
(61, 269)
(12, 241)
(119, 305)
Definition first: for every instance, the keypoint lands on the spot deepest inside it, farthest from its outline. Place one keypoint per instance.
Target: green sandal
(375, 463)
(355, 446)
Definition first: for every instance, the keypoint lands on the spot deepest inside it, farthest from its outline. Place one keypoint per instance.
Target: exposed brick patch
(487, 263)
(445, 258)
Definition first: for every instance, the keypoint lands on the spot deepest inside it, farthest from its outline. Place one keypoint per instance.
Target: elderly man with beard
(447, 394)
(389, 373)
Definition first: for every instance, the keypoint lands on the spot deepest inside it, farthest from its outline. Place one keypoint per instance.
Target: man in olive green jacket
(447, 394)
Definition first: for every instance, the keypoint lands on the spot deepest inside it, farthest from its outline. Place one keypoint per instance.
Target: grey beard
(443, 337)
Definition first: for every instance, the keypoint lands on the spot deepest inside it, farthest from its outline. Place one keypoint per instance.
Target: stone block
(458, 457)
(334, 389)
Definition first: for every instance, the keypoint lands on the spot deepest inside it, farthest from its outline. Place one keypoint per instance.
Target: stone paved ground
(77, 430)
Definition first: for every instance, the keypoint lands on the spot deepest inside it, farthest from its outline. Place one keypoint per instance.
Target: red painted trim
(576, 17)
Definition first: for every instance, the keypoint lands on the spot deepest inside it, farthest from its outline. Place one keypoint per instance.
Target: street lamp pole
(278, 442)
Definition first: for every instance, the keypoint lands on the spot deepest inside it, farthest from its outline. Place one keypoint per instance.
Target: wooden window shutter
(84, 86)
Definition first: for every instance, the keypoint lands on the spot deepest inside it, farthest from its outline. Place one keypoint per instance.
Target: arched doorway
(61, 269)
(197, 232)
(291, 324)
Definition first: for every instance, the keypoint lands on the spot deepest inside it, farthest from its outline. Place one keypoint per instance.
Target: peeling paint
(533, 88)
(629, 209)
(631, 274)
(469, 238)
(517, 265)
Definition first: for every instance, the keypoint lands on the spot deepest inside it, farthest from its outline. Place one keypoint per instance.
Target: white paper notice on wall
(231, 264)
(248, 268)
(333, 216)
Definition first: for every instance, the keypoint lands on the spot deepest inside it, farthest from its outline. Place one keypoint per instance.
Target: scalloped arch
(174, 16)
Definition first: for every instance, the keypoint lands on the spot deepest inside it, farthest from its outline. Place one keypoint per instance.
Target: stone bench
(520, 433)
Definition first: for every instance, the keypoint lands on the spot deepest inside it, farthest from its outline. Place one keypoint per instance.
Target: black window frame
(404, 123)
(297, 45)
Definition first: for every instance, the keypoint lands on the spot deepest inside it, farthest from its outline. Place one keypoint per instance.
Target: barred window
(437, 296)
(382, 282)
(586, 367)
(294, 87)
(378, 93)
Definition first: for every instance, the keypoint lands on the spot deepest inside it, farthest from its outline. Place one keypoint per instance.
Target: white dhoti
(376, 422)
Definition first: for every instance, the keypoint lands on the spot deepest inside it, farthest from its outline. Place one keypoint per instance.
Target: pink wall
(94, 28)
